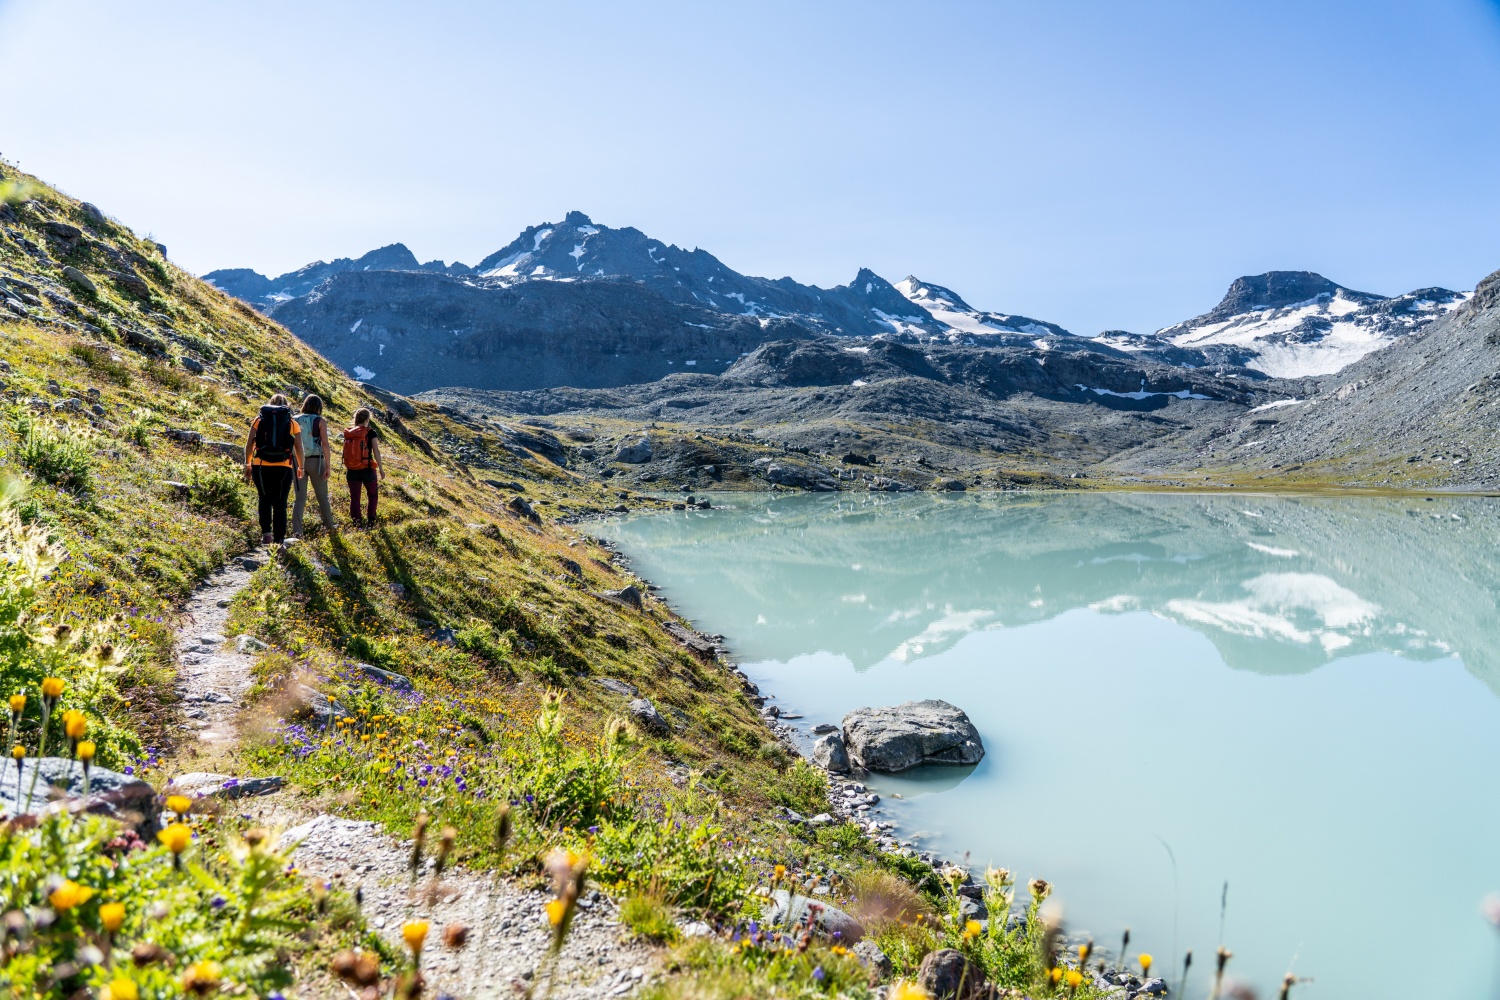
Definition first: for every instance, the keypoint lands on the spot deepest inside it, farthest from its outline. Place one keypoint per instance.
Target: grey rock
(901, 737)
(393, 401)
(825, 727)
(972, 909)
(202, 784)
(313, 704)
(80, 279)
(184, 435)
(130, 281)
(872, 958)
(522, 507)
(645, 713)
(829, 753)
(635, 452)
(250, 563)
(62, 230)
(192, 364)
(389, 678)
(786, 910)
(91, 212)
(630, 596)
(1152, 988)
(119, 796)
(617, 686)
(946, 974)
(229, 449)
(821, 819)
(141, 340)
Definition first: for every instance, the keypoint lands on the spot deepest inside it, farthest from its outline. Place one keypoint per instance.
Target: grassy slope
(448, 554)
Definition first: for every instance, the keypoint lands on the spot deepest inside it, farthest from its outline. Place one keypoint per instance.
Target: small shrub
(803, 788)
(98, 360)
(138, 430)
(217, 488)
(374, 651)
(59, 455)
(649, 916)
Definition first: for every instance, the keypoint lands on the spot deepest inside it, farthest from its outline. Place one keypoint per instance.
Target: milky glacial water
(1299, 697)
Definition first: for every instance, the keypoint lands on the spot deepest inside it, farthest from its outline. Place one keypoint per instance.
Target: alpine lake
(1267, 722)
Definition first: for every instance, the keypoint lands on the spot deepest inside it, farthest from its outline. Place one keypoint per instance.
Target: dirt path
(507, 928)
(212, 677)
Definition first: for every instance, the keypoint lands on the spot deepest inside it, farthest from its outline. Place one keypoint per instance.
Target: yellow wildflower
(112, 915)
(414, 933)
(907, 990)
(17, 752)
(202, 978)
(52, 687)
(120, 989)
(556, 910)
(17, 703)
(972, 930)
(177, 838)
(69, 895)
(74, 724)
(179, 804)
(1145, 964)
(86, 751)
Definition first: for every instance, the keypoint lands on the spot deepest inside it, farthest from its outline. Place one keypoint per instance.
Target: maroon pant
(361, 478)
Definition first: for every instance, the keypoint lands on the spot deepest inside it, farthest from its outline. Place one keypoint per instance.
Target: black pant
(273, 483)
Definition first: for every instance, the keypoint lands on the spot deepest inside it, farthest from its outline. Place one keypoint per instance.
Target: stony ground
(507, 940)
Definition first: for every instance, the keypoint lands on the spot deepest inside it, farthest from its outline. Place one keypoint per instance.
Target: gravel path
(211, 678)
(508, 934)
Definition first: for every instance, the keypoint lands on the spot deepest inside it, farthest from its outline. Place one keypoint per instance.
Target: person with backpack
(313, 432)
(273, 460)
(361, 463)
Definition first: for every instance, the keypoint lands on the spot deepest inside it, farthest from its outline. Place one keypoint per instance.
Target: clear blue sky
(1097, 164)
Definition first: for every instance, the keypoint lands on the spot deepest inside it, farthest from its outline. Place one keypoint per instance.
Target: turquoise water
(1296, 696)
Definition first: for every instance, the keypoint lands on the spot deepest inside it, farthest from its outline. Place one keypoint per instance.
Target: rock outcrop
(901, 737)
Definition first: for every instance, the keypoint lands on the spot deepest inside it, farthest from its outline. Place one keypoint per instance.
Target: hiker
(313, 432)
(273, 459)
(361, 463)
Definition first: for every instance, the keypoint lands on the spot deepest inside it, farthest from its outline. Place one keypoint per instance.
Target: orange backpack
(357, 448)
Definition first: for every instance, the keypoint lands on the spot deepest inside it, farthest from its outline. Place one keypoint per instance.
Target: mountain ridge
(1286, 324)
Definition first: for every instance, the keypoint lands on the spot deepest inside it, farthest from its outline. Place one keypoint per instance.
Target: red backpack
(357, 448)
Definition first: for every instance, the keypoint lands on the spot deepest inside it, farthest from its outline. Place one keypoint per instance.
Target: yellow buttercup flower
(86, 751)
(112, 915)
(202, 978)
(779, 872)
(1145, 964)
(69, 895)
(907, 990)
(972, 930)
(120, 989)
(556, 910)
(52, 687)
(414, 933)
(17, 703)
(1055, 975)
(179, 804)
(17, 752)
(177, 838)
(74, 724)
(1074, 979)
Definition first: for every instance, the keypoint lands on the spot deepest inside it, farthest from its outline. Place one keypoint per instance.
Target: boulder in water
(901, 737)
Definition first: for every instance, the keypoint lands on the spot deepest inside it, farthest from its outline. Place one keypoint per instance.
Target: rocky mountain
(587, 305)
(931, 410)
(1419, 412)
(1291, 324)
(965, 324)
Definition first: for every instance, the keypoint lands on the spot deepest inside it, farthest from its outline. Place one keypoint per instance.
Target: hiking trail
(507, 932)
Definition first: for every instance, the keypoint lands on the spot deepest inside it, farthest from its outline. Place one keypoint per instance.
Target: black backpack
(273, 435)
